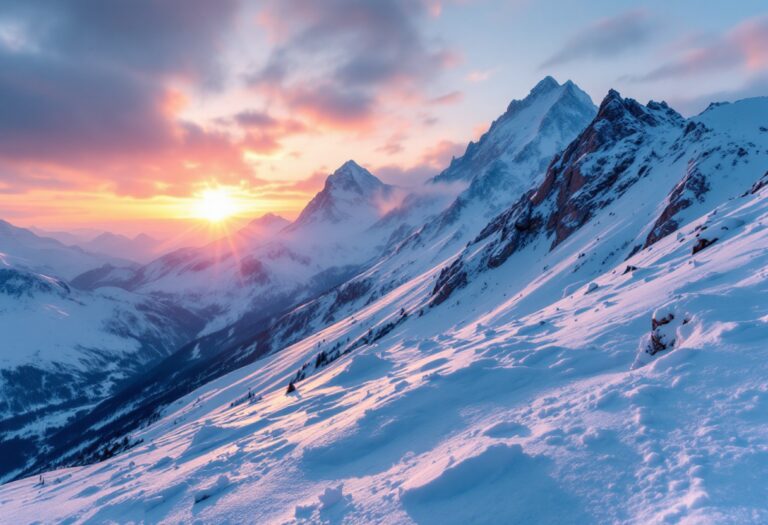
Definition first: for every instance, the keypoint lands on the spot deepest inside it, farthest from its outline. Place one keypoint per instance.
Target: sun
(215, 205)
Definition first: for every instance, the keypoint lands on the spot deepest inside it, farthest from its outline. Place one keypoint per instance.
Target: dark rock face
(17, 284)
(583, 180)
(517, 228)
(693, 187)
(350, 292)
(450, 278)
(758, 185)
(658, 341)
(701, 244)
(665, 325)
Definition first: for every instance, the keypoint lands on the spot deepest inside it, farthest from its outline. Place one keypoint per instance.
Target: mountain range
(573, 336)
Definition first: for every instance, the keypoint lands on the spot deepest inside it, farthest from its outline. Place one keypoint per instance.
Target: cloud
(336, 62)
(87, 93)
(606, 38)
(478, 76)
(449, 98)
(169, 37)
(264, 132)
(331, 105)
(745, 46)
(311, 184)
(756, 86)
(432, 161)
(394, 143)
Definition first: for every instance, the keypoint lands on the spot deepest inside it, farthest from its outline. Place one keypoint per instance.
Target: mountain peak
(545, 85)
(351, 165)
(350, 176)
(631, 113)
(109, 236)
(143, 237)
(348, 192)
(616, 109)
(557, 112)
(269, 218)
(265, 225)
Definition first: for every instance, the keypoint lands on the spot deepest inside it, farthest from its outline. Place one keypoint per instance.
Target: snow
(743, 118)
(572, 383)
(544, 425)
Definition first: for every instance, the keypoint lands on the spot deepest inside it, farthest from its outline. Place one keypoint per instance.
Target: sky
(119, 115)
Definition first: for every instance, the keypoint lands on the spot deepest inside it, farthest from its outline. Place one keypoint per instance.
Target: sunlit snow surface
(492, 408)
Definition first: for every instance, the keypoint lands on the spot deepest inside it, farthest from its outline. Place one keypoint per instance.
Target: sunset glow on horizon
(215, 205)
(266, 98)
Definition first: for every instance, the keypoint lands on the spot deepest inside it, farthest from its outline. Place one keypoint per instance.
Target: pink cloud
(449, 98)
(751, 38)
(745, 46)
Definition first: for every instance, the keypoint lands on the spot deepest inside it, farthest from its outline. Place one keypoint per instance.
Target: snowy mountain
(493, 410)
(22, 248)
(228, 279)
(593, 354)
(352, 198)
(646, 159)
(508, 159)
(65, 350)
(265, 227)
(531, 128)
(141, 248)
(415, 217)
(516, 150)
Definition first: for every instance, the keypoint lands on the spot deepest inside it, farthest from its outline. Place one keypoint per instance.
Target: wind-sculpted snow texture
(595, 354)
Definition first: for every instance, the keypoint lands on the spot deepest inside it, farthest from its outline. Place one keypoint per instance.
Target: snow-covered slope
(595, 354)
(615, 153)
(22, 248)
(497, 409)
